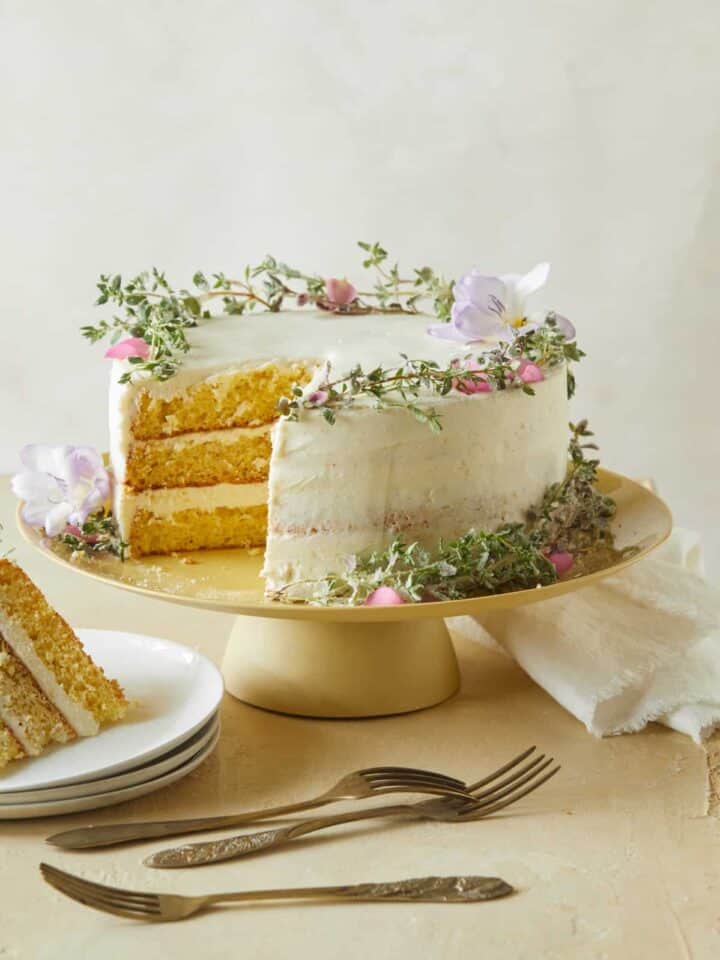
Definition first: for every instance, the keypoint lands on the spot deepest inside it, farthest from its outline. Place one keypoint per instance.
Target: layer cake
(204, 459)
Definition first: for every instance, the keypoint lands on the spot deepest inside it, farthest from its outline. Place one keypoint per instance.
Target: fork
(370, 782)
(482, 802)
(163, 906)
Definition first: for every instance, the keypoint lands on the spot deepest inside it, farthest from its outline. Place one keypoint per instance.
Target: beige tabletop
(615, 858)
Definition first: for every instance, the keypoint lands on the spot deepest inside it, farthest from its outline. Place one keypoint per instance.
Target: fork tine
(108, 905)
(89, 900)
(101, 897)
(514, 778)
(381, 783)
(99, 888)
(486, 811)
(501, 770)
(410, 772)
(408, 775)
(418, 786)
(493, 796)
(450, 793)
(513, 790)
(80, 887)
(89, 896)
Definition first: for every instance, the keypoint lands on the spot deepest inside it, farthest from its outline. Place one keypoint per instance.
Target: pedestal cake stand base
(333, 669)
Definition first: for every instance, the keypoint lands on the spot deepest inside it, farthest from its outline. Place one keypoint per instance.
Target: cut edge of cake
(192, 466)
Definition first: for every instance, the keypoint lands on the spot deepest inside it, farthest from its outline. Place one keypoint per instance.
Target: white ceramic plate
(148, 771)
(54, 808)
(175, 691)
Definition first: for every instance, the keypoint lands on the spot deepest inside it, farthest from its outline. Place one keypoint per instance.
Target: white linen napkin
(643, 645)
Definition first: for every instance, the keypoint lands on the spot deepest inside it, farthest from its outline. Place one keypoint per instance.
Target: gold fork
(162, 906)
(481, 803)
(370, 782)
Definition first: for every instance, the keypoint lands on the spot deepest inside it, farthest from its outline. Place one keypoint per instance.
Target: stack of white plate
(172, 727)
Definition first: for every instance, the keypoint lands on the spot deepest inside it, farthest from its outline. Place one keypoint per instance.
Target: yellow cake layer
(198, 529)
(26, 708)
(10, 749)
(242, 398)
(174, 463)
(57, 646)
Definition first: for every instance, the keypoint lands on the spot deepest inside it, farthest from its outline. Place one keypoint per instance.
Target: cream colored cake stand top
(345, 661)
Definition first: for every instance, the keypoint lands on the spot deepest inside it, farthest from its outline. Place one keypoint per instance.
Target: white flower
(496, 307)
(60, 485)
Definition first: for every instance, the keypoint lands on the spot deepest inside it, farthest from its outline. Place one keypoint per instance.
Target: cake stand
(346, 661)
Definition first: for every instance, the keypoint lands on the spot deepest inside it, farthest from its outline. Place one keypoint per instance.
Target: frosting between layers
(228, 435)
(165, 501)
(80, 719)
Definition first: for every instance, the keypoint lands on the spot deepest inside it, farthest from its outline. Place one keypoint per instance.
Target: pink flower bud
(530, 372)
(561, 561)
(302, 299)
(317, 398)
(384, 597)
(131, 347)
(340, 292)
(477, 384)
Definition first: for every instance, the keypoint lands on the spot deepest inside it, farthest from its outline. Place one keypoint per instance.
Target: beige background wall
(493, 133)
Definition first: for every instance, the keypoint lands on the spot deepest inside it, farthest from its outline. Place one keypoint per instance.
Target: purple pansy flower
(60, 486)
(495, 307)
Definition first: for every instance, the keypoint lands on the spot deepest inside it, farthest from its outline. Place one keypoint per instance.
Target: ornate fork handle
(214, 851)
(421, 890)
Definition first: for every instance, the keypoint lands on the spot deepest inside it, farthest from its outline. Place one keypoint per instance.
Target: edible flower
(529, 372)
(477, 384)
(130, 347)
(561, 561)
(495, 307)
(60, 486)
(340, 293)
(318, 398)
(384, 597)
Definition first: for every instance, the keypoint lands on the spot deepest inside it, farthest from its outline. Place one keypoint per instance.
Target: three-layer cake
(204, 459)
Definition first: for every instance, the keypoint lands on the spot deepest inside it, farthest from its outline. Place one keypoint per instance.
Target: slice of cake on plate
(50, 689)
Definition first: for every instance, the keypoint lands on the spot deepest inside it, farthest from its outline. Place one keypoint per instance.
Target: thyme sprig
(474, 564)
(99, 534)
(573, 516)
(410, 385)
(151, 309)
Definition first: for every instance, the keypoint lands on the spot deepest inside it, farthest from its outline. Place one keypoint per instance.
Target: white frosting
(340, 490)
(164, 502)
(80, 719)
